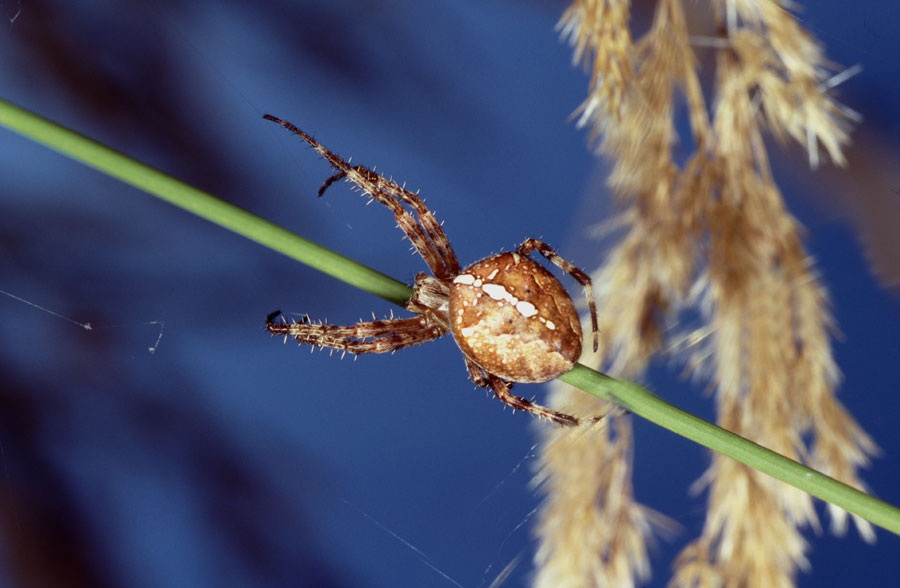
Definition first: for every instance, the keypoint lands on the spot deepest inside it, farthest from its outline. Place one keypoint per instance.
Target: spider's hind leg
(476, 374)
(529, 245)
(501, 390)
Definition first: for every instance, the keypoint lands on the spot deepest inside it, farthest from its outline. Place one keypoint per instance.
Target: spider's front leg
(501, 390)
(425, 234)
(366, 337)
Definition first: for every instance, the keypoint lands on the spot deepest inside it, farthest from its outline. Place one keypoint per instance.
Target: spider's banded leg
(475, 374)
(429, 223)
(380, 189)
(501, 390)
(368, 337)
(423, 230)
(331, 180)
(432, 227)
(529, 245)
(362, 330)
(384, 344)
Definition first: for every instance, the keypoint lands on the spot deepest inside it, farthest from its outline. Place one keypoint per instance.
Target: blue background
(225, 458)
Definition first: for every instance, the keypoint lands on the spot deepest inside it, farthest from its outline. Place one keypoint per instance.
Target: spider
(513, 320)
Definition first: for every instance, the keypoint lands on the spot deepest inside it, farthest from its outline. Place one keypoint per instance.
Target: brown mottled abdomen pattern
(513, 318)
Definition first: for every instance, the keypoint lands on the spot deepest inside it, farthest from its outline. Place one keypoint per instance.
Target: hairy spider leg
(432, 227)
(428, 238)
(429, 222)
(366, 337)
(501, 390)
(529, 245)
(476, 374)
(329, 181)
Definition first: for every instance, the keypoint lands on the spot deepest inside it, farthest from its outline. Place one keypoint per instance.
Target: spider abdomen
(514, 319)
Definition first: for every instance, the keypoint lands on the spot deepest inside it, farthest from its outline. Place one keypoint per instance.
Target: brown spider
(513, 320)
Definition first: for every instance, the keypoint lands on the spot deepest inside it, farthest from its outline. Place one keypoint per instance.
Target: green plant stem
(629, 395)
(202, 204)
(637, 399)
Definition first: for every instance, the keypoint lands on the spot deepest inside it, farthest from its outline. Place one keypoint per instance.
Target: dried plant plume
(710, 232)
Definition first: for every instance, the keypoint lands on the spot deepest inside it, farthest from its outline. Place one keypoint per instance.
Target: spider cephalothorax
(513, 320)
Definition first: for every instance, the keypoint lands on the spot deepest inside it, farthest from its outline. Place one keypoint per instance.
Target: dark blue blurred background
(224, 458)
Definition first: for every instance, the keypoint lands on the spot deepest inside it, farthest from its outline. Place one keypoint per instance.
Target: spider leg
(529, 245)
(501, 390)
(378, 336)
(428, 238)
(427, 219)
(476, 374)
(429, 222)
(433, 228)
(331, 180)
